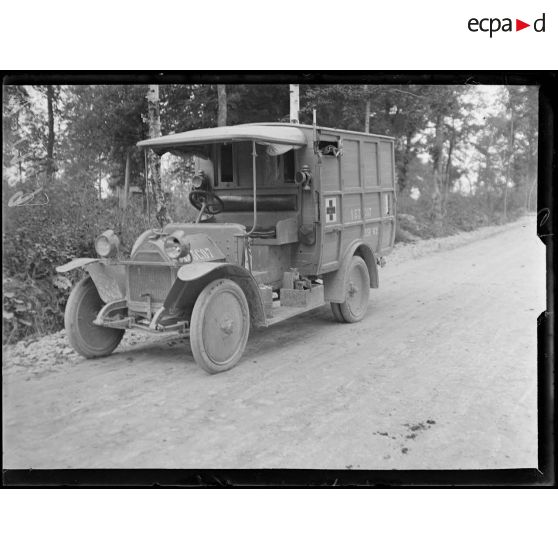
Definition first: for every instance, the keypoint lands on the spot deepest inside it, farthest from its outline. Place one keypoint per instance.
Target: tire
(86, 338)
(219, 326)
(357, 293)
(337, 312)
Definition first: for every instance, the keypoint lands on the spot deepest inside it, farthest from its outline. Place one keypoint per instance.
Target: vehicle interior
(226, 187)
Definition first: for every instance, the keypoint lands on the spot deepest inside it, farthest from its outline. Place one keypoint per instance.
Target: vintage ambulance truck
(289, 217)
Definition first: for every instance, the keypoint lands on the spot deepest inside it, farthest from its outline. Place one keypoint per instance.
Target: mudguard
(74, 264)
(110, 280)
(334, 283)
(196, 270)
(192, 279)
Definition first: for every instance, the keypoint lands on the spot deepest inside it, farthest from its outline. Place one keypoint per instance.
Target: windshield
(227, 165)
(178, 169)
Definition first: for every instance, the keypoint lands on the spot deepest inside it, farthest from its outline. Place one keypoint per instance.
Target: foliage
(37, 238)
(463, 213)
(104, 123)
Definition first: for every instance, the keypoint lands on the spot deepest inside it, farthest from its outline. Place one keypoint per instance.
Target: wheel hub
(226, 325)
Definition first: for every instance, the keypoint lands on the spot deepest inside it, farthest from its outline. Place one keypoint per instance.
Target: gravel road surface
(441, 373)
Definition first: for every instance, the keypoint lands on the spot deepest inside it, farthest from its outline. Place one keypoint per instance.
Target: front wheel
(357, 293)
(219, 326)
(88, 339)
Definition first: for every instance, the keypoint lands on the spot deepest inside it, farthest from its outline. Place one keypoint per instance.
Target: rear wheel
(88, 339)
(337, 312)
(220, 326)
(357, 293)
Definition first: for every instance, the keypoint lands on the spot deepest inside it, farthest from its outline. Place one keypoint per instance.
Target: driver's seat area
(276, 216)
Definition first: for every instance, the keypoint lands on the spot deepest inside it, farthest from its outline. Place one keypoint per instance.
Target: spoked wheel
(88, 339)
(219, 326)
(357, 293)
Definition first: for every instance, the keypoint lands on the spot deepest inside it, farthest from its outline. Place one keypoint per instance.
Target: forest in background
(466, 156)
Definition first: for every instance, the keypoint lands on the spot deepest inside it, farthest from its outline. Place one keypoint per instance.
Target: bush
(37, 238)
(462, 213)
(466, 213)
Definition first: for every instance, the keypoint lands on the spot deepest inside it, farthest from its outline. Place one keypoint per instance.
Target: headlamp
(176, 246)
(106, 244)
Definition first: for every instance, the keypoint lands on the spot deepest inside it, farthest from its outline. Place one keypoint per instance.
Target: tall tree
(441, 104)
(103, 122)
(294, 103)
(366, 109)
(222, 105)
(29, 131)
(154, 120)
(50, 165)
(509, 157)
(16, 140)
(436, 151)
(523, 101)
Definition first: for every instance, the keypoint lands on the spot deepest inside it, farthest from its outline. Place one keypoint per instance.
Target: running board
(313, 298)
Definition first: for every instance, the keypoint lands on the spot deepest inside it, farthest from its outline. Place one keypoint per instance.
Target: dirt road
(440, 374)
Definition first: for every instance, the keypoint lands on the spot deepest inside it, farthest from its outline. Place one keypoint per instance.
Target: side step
(294, 302)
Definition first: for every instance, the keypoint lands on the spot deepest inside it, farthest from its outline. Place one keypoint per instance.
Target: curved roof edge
(323, 129)
(261, 133)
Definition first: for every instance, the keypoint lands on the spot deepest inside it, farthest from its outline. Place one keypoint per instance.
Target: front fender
(74, 264)
(110, 280)
(192, 279)
(196, 270)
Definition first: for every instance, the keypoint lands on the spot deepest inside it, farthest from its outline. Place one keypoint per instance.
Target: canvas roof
(260, 133)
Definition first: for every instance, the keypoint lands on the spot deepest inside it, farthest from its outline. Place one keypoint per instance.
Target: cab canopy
(279, 139)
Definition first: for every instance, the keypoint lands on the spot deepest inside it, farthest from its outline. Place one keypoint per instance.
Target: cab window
(289, 166)
(226, 163)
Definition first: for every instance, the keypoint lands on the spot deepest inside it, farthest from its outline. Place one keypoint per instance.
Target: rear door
(387, 186)
(331, 200)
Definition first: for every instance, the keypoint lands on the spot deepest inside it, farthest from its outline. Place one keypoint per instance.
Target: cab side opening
(277, 195)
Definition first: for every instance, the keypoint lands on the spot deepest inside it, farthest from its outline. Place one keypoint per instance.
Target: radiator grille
(154, 281)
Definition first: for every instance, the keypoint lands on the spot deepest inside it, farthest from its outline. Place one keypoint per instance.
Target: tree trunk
(154, 119)
(487, 185)
(222, 105)
(447, 172)
(367, 110)
(50, 166)
(406, 162)
(488, 176)
(531, 172)
(100, 178)
(294, 91)
(509, 161)
(126, 189)
(437, 185)
(533, 123)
